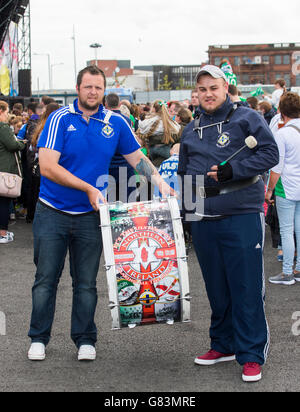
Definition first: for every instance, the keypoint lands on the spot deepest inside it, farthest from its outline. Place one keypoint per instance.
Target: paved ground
(151, 359)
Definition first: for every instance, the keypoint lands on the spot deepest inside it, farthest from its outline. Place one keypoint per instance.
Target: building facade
(113, 68)
(179, 77)
(119, 74)
(261, 63)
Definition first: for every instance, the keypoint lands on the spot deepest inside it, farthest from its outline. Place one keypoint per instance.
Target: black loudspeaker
(25, 83)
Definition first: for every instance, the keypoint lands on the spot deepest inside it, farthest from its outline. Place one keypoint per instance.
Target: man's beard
(89, 107)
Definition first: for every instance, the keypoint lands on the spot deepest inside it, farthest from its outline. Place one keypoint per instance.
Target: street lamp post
(49, 65)
(75, 59)
(96, 46)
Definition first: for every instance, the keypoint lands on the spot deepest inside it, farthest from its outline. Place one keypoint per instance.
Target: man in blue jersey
(75, 151)
(229, 234)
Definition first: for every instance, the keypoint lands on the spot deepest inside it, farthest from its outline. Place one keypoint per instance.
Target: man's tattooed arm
(146, 168)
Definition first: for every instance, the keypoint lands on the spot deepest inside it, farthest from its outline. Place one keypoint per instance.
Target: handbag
(10, 184)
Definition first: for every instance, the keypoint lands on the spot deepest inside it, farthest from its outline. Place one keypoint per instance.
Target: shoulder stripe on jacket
(53, 127)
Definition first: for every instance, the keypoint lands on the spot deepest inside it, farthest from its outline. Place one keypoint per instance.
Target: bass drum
(146, 263)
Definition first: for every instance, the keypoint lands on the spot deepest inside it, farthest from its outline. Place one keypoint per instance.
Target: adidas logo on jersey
(72, 129)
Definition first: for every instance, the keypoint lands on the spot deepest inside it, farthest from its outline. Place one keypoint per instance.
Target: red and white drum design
(144, 263)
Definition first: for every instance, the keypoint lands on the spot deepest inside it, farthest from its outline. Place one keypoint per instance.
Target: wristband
(225, 173)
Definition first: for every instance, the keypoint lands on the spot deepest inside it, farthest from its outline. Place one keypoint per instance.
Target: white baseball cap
(213, 71)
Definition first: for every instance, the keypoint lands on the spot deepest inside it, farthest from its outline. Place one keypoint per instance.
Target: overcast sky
(150, 32)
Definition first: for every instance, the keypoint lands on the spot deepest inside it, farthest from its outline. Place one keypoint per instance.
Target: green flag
(258, 92)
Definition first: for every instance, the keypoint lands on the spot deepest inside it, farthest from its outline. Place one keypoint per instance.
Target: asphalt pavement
(152, 359)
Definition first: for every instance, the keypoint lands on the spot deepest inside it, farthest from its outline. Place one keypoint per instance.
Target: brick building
(111, 68)
(261, 63)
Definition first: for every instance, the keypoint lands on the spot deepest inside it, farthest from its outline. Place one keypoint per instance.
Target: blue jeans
(289, 222)
(54, 235)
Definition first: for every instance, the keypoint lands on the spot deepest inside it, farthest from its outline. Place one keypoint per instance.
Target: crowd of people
(173, 136)
(158, 126)
(21, 128)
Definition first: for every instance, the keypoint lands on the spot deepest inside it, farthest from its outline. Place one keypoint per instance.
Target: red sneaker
(252, 372)
(212, 357)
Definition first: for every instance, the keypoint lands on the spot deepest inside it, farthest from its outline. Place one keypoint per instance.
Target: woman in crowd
(287, 192)
(16, 125)
(280, 89)
(183, 118)
(9, 146)
(134, 111)
(159, 132)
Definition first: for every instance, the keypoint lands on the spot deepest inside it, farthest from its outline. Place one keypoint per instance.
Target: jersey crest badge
(223, 141)
(108, 132)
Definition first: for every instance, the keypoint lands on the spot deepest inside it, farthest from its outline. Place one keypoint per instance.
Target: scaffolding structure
(15, 42)
(18, 12)
(24, 40)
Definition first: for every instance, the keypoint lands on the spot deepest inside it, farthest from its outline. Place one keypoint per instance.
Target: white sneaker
(87, 353)
(37, 352)
(6, 239)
